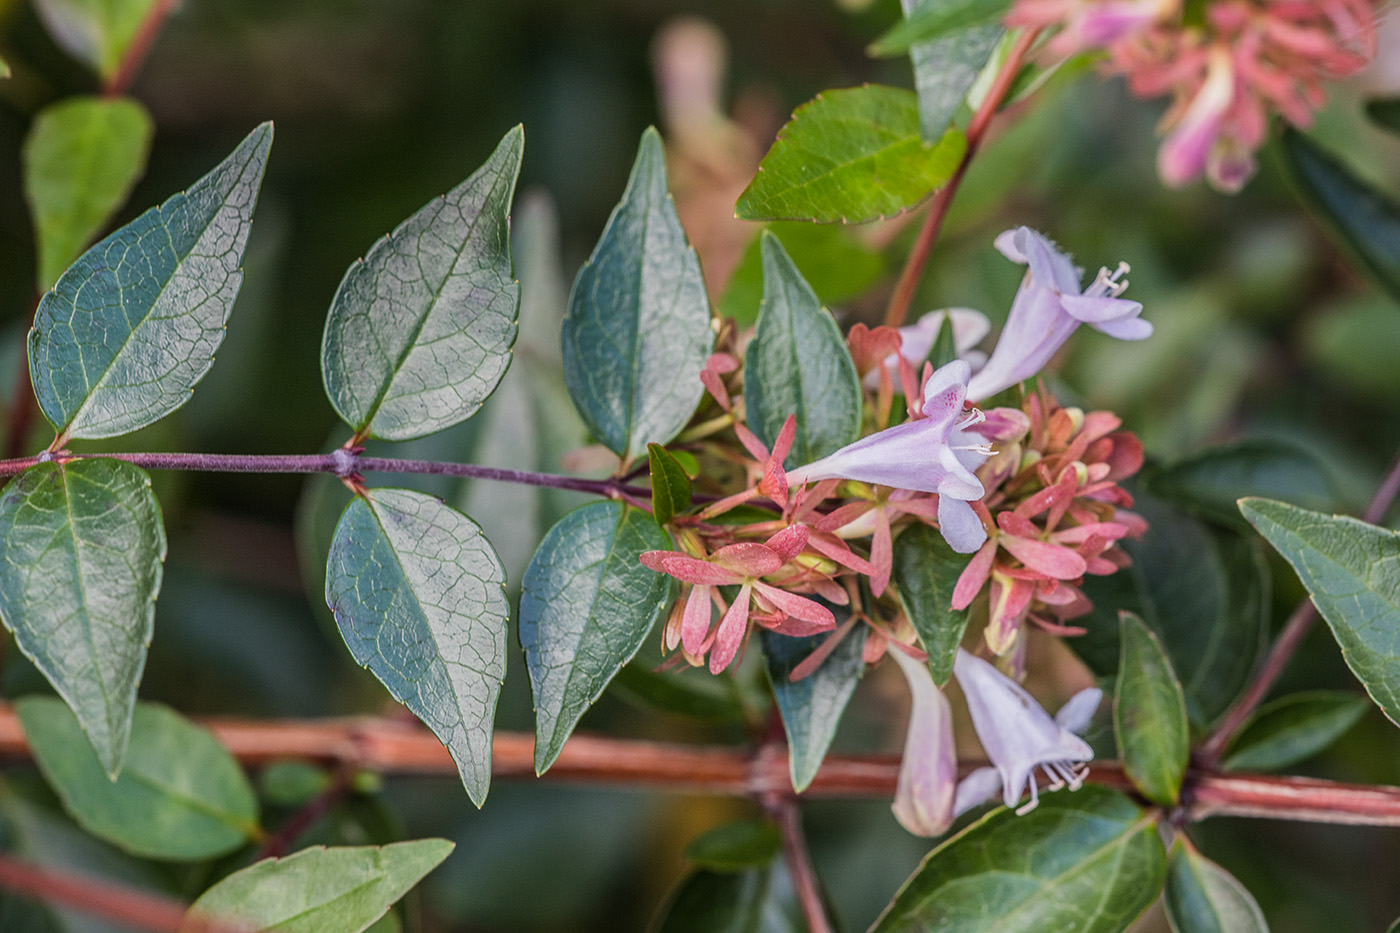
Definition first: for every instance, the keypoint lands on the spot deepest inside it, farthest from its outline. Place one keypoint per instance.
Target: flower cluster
(1243, 60)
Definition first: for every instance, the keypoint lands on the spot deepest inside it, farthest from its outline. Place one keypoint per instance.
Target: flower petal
(730, 634)
(923, 798)
(695, 624)
(959, 524)
(1079, 709)
(799, 607)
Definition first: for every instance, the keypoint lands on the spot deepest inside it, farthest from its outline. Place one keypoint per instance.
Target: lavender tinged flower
(1019, 736)
(928, 773)
(937, 453)
(916, 341)
(1047, 309)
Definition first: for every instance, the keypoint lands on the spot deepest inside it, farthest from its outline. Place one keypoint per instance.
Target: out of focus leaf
(340, 890)
(1357, 346)
(420, 330)
(926, 569)
(798, 364)
(419, 595)
(934, 20)
(1212, 482)
(1149, 714)
(96, 32)
(945, 68)
(851, 155)
(81, 553)
(735, 846)
(699, 695)
(1202, 897)
(1293, 728)
(586, 604)
(292, 783)
(670, 487)
(132, 326)
(1366, 221)
(81, 157)
(638, 331)
(1385, 112)
(811, 707)
(1088, 861)
(180, 795)
(834, 263)
(759, 900)
(1352, 570)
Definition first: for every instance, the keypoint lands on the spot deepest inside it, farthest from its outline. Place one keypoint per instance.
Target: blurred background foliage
(1263, 331)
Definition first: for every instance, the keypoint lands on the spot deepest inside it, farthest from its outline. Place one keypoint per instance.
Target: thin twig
(913, 271)
(799, 865)
(139, 47)
(303, 819)
(141, 910)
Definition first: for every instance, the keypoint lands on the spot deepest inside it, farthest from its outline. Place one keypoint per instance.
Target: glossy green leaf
(851, 155)
(1086, 861)
(1202, 897)
(586, 604)
(340, 890)
(1294, 728)
(1364, 220)
(1352, 570)
(1203, 590)
(1149, 714)
(419, 595)
(81, 158)
(96, 32)
(638, 331)
(933, 21)
(132, 326)
(926, 569)
(760, 900)
(1212, 482)
(736, 846)
(81, 554)
(945, 68)
(837, 265)
(420, 330)
(798, 364)
(811, 707)
(670, 487)
(180, 795)
(1385, 113)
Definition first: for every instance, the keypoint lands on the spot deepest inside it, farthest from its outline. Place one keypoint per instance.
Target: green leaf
(340, 890)
(180, 795)
(850, 155)
(836, 264)
(81, 158)
(811, 707)
(1352, 570)
(1365, 221)
(1355, 346)
(933, 20)
(946, 68)
(419, 595)
(926, 569)
(292, 783)
(945, 348)
(699, 695)
(735, 846)
(1385, 113)
(1212, 482)
(420, 330)
(1086, 861)
(132, 326)
(96, 32)
(1202, 897)
(798, 364)
(81, 554)
(760, 900)
(638, 331)
(586, 605)
(1203, 590)
(1149, 714)
(4, 68)
(1294, 728)
(670, 487)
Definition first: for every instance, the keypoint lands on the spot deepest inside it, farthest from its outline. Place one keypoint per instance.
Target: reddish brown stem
(299, 822)
(913, 271)
(140, 910)
(799, 865)
(139, 48)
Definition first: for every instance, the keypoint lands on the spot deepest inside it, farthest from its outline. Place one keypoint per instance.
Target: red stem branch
(139, 910)
(139, 48)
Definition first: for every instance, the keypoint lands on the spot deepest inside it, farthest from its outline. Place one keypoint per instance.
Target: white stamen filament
(1110, 284)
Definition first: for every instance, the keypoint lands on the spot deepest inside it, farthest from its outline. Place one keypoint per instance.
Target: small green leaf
(586, 605)
(638, 334)
(1202, 897)
(945, 348)
(180, 795)
(735, 846)
(1085, 861)
(420, 330)
(292, 783)
(339, 890)
(811, 707)
(1294, 728)
(132, 326)
(96, 32)
(4, 68)
(851, 155)
(1385, 113)
(926, 569)
(835, 263)
(1364, 220)
(933, 21)
(81, 158)
(798, 364)
(760, 900)
(1149, 714)
(945, 68)
(419, 595)
(81, 554)
(1212, 482)
(1352, 570)
(670, 487)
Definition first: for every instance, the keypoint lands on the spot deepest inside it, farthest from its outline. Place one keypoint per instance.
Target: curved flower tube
(928, 772)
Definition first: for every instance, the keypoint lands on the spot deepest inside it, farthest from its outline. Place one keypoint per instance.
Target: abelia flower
(1048, 307)
(928, 772)
(1019, 736)
(916, 340)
